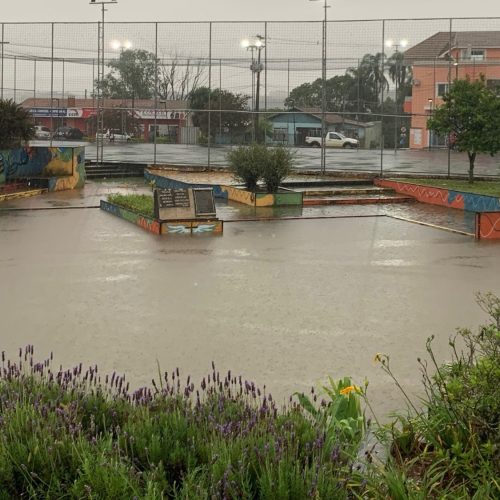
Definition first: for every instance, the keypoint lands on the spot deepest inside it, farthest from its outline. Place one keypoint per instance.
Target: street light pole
(100, 78)
(256, 67)
(323, 86)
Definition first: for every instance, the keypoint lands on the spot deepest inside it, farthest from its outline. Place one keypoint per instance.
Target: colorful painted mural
(444, 197)
(155, 226)
(488, 226)
(62, 168)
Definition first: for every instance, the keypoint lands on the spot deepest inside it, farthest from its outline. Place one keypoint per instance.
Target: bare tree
(177, 78)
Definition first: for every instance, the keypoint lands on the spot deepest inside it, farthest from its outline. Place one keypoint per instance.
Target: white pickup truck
(333, 140)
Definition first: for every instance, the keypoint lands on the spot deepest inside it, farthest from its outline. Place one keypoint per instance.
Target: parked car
(42, 132)
(333, 140)
(68, 133)
(115, 135)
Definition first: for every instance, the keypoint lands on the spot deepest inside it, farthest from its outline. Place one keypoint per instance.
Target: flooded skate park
(283, 302)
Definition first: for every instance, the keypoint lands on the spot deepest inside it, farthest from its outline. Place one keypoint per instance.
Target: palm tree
(16, 125)
(400, 74)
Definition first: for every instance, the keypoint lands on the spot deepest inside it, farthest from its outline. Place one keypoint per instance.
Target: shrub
(451, 447)
(16, 125)
(250, 164)
(247, 164)
(277, 168)
(63, 433)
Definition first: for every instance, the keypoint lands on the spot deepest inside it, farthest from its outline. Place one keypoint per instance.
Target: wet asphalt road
(285, 303)
(411, 161)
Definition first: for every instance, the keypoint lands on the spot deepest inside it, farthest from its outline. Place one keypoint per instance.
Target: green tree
(228, 111)
(470, 114)
(132, 76)
(357, 91)
(401, 75)
(16, 125)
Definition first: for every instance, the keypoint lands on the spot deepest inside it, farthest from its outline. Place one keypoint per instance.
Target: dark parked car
(68, 133)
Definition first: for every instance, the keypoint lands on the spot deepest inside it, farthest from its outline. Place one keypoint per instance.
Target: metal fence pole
(265, 68)
(209, 91)
(63, 82)
(382, 103)
(15, 78)
(2, 43)
(323, 94)
(449, 87)
(52, 85)
(34, 82)
(156, 92)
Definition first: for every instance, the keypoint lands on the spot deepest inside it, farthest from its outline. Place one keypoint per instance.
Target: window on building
(477, 54)
(442, 89)
(280, 134)
(473, 54)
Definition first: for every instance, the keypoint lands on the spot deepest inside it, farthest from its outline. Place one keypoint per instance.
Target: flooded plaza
(283, 302)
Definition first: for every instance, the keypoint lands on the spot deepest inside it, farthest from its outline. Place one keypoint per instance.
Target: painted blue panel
(476, 202)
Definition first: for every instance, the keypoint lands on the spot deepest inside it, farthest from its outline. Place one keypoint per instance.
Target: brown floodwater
(284, 303)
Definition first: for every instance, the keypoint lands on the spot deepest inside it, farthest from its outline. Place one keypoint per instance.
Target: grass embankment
(72, 434)
(140, 203)
(489, 188)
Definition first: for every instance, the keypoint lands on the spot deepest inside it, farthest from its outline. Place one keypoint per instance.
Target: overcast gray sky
(241, 10)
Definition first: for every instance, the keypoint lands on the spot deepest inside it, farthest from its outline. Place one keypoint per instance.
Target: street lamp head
(127, 45)
(259, 43)
(245, 43)
(404, 43)
(115, 44)
(389, 43)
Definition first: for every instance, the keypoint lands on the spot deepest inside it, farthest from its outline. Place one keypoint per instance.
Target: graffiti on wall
(64, 167)
(488, 225)
(444, 197)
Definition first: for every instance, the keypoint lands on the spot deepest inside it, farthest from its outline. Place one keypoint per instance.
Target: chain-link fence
(184, 93)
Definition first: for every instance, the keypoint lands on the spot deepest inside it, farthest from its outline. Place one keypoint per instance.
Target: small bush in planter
(277, 167)
(250, 164)
(16, 125)
(247, 164)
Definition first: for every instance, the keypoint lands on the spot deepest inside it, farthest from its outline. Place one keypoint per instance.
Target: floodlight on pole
(391, 44)
(256, 67)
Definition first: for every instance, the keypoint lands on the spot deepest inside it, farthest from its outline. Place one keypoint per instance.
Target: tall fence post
(15, 78)
(449, 87)
(52, 85)
(2, 43)
(156, 92)
(209, 92)
(382, 138)
(34, 82)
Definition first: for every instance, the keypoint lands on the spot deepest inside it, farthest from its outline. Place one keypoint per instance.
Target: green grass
(140, 203)
(489, 188)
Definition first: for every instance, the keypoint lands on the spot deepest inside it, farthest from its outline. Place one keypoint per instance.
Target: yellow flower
(347, 390)
(378, 358)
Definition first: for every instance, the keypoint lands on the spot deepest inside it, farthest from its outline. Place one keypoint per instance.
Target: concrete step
(347, 190)
(329, 183)
(350, 200)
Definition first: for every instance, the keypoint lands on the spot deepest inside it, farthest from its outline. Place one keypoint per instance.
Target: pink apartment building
(439, 60)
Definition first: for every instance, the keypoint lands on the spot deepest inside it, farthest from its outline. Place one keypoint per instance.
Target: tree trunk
(472, 158)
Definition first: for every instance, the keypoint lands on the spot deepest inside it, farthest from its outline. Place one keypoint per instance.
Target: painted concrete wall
(63, 168)
(488, 226)
(155, 226)
(444, 197)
